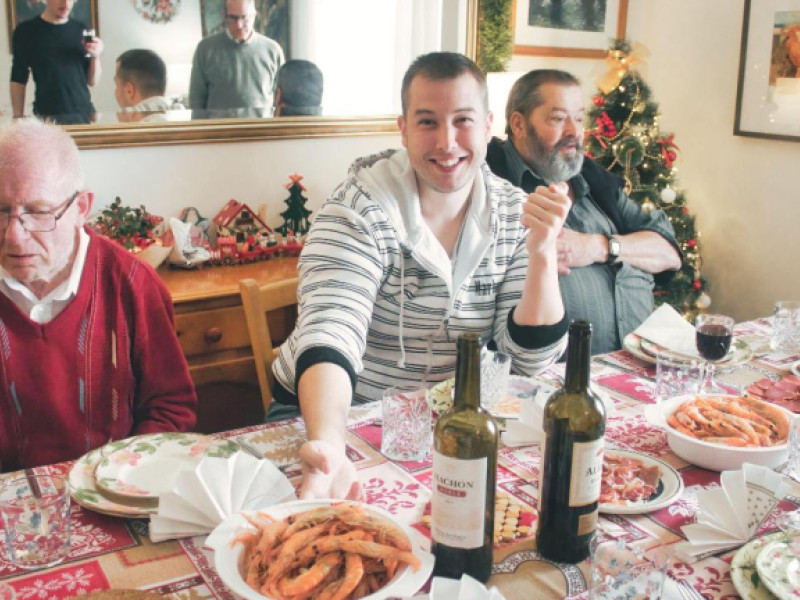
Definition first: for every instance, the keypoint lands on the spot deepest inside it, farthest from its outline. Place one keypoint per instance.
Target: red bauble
(691, 243)
(697, 284)
(598, 100)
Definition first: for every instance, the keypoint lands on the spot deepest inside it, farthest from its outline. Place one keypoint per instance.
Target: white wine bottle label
(587, 472)
(458, 503)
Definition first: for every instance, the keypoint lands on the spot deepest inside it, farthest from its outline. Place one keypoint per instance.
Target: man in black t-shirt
(51, 47)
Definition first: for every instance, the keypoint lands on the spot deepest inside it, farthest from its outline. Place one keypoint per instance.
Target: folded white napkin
(731, 514)
(670, 330)
(465, 588)
(217, 488)
(528, 429)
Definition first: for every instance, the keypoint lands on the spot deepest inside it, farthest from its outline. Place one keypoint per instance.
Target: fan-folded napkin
(731, 514)
(217, 488)
(528, 429)
(669, 330)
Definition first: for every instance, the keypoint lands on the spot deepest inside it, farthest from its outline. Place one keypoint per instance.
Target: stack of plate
(647, 351)
(768, 567)
(125, 478)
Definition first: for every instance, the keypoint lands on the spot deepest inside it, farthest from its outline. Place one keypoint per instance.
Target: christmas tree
(295, 218)
(626, 140)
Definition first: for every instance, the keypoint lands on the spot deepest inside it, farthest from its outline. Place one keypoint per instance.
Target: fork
(687, 591)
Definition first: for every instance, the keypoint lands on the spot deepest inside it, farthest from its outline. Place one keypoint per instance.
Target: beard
(548, 163)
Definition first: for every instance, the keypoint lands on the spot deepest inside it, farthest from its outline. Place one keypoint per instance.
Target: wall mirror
(362, 47)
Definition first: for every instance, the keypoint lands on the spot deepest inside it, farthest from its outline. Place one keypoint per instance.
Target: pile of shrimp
(336, 552)
(729, 421)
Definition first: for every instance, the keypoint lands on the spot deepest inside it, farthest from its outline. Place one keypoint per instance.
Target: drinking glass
(620, 570)
(785, 327)
(88, 36)
(676, 376)
(495, 369)
(35, 511)
(790, 521)
(714, 334)
(407, 432)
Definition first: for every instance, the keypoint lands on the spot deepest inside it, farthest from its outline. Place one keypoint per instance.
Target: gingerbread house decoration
(239, 220)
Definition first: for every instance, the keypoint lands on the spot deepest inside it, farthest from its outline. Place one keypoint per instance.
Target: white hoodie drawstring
(401, 363)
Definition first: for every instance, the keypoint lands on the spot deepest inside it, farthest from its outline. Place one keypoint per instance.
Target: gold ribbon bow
(618, 63)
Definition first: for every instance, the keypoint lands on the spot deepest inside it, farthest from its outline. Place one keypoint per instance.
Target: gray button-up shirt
(614, 298)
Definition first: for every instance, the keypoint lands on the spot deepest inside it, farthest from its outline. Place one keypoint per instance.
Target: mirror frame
(125, 135)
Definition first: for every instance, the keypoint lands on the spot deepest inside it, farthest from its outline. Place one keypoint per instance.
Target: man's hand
(327, 472)
(544, 214)
(577, 249)
(95, 47)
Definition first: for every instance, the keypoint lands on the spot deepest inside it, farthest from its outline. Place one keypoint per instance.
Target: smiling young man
(89, 353)
(610, 249)
(51, 47)
(233, 72)
(415, 248)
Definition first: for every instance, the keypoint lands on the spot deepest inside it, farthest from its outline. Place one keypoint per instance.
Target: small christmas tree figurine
(627, 140)
(295, 218)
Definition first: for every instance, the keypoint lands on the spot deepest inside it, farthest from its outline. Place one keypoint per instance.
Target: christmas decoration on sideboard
(627, 140)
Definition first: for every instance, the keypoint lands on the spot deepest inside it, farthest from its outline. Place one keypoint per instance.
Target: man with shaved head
(88, 352)
(233, 72)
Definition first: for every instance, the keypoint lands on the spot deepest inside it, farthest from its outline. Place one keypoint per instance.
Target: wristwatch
(613, 249)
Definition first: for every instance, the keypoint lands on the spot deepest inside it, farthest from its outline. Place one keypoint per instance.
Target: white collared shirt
(247, 41)
(49, 307)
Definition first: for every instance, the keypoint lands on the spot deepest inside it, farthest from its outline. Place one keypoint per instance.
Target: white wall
(743, 191)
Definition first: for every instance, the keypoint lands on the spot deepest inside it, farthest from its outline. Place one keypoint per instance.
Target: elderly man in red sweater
(88, 352)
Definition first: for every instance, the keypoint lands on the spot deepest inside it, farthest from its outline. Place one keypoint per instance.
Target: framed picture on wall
(84, 11)
(768, 93)
(272, 19)
(567, 28)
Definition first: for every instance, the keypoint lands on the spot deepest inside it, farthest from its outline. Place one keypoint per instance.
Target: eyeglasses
(236, 18)
(37, 221)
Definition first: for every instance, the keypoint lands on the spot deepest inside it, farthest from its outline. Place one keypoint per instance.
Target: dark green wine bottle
(464, 475)
(572, 458)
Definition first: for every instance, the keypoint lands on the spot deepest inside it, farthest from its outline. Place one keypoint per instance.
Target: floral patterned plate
(83, 490)
(778, 564)
(744, 575)
(739, 353)
(149, 465)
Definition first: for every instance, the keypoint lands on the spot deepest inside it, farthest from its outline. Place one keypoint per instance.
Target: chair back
(258, 301)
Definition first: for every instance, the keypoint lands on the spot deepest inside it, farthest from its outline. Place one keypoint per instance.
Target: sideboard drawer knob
(213, 335)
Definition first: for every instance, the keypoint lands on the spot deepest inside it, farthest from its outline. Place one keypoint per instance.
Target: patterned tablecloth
(110, 552)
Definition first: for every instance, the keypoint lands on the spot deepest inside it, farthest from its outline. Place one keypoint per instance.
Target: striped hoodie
(380, 297)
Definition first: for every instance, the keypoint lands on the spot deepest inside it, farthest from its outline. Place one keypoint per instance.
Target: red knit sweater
(107, 367)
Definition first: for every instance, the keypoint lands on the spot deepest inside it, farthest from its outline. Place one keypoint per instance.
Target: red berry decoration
(598, 100)
(697, 284)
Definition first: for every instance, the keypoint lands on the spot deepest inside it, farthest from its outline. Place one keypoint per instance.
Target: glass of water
(785, 327)
(407, 431)
(495, 369)
(36, 518)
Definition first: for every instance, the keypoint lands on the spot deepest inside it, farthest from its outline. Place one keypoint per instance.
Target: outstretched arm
(645, 250)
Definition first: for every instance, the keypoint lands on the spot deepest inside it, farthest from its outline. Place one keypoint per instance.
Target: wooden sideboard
(212, 330)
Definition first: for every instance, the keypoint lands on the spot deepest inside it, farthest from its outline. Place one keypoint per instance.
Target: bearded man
(609, 250)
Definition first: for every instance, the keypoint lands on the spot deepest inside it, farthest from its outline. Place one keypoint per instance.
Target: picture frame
(768, 88)
(272, 19)
(567, 28)
(24, 10)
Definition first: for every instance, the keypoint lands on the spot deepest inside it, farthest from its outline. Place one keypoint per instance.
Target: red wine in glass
(713, 340)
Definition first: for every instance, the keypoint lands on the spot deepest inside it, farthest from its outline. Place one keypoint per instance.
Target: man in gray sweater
(233, 72)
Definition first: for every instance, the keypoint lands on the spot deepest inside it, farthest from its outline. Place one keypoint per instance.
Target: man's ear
(517, 124)
(84, 201)
(401, 125)
(130, 92)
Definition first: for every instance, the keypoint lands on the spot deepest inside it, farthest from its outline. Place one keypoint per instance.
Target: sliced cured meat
(784, 392)
(627, 480)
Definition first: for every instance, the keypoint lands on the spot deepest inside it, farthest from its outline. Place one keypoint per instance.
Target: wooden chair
(258, 301)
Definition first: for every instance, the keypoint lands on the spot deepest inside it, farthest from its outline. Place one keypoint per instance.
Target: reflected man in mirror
(299, 89)
(610, 248)
(140, 84)
(233, 72)
(416, 247)
(89, 353)
(64, 64)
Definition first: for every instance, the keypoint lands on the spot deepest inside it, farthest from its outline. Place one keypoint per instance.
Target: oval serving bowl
(717, 457)
(229, 560)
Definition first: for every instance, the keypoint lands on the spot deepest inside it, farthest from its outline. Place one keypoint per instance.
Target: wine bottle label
(587, 471)
(458, 501)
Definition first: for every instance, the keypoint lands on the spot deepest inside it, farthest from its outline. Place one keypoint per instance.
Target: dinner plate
(84, 491)
(744, 574)
(149, 465)
(519, 389)
(669, 490)
(228, 558)
(740, 352)
(796, 368)
(778, 565)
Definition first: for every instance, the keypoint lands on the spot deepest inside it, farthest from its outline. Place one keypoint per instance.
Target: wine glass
(714, 334)
(790, 521)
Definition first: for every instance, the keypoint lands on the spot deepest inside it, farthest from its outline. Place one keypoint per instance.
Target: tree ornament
(668, 195)
(629, 150)
(691, 243)
(697, 284)
(668, 149)
(295, 218)
(598, 100)
(639, 106)
(703, 301)
(648, 206)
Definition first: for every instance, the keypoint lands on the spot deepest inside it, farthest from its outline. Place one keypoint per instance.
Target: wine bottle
(572, 458)
(464, 475)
